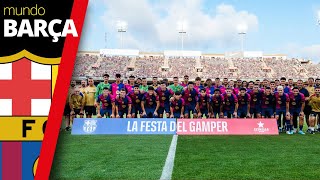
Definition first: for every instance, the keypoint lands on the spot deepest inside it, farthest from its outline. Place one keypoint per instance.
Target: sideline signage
(85, 126)
(227, 127)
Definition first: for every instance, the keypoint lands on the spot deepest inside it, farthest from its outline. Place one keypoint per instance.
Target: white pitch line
(168, 166)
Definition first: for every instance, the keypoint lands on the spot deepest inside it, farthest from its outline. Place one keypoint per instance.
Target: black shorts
(77, 112)
(90, 110)
(67, 110)
(307, 109)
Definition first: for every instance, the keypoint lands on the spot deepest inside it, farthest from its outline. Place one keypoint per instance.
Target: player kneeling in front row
(244, 104)
(108, 104)
(150, 104)
(297, 104)
(203, 105)
(216, 104)
(136, 97)
(123, 104)
(177, 106)
(315, 113)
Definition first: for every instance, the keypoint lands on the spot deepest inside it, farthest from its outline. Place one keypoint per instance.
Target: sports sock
(288, 127)
(300, 128)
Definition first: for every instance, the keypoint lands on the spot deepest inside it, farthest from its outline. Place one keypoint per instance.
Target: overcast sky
(274, 26)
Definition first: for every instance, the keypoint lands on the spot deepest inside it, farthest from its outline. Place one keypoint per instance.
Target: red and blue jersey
(135, 98)
(255, 98)
(123, 103)
(203, 101)
(184, 84)
(129, 88)
(177, 105)
(210, 90)
(150, 101)
(267, 101)
(216, 101)
(296, 101)
(281, 100)
(106, 101)
(189, 96)
(229, 102)
(115, 88)
(244, 100)
(286, 90)
(198, 88)
(164, 96)
(236, 91)
(222, 89)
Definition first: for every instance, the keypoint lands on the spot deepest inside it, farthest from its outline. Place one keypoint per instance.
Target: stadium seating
(145, 66)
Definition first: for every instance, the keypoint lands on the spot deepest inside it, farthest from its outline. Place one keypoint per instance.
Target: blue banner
(83, 126)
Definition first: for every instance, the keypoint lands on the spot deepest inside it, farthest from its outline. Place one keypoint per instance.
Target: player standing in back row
(90, 92)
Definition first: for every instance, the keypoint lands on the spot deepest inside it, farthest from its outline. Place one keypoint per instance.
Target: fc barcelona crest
(24, 112)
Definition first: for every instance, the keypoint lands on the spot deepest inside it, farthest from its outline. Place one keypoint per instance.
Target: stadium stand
(95, 65)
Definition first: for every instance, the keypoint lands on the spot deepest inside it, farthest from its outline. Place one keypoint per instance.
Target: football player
(164, 97)
(282, 109)
(244, 103)
(203, 105)
(189, 95)
(136, 97)
(177, 106)
(89, 93)
(230, 104)
(297, 104)
(315, 113)
(108, 104)
(123, 105)
(150, 104)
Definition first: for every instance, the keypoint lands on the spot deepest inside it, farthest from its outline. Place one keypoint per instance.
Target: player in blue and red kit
(255, 103)
(129, 87)
(198, 86)
(123, 104)
(230, 104)
(296, 107)
(164, 97)
(136, 97)
(150, 104)
(282, 108)
(209, 88)
(216, 104)
(177, 106)
(108, 104)
(185, 82)
(203, 105)
(286, 88)
(117, 86)
(244, 103)
(267, 104)
(189, 95)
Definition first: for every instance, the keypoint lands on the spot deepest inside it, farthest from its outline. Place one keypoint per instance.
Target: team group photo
(290, 102)
(194, 89)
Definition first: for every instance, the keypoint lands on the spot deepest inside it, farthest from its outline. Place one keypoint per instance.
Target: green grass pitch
(139, 157)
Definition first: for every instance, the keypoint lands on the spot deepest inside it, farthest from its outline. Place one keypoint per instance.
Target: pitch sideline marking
(168, 166)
